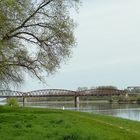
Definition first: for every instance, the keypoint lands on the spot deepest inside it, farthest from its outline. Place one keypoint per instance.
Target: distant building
(133, 89)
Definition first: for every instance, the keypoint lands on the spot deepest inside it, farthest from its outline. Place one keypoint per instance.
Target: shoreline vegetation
(51, 124)
(121, 98)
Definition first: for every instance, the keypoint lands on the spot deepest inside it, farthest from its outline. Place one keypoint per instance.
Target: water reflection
(128, 111)
(131, 113)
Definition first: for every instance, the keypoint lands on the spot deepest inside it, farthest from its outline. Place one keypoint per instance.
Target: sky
(107, 51)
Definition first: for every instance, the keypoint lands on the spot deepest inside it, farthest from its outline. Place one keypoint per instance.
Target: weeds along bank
(46, 124)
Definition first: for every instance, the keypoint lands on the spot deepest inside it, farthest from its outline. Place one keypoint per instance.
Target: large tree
(35, 36)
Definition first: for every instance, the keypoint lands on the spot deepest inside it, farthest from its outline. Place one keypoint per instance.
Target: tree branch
(27, 33)
(26, 39)
(43, 4)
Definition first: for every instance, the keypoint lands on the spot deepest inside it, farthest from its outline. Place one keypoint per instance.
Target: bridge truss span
(101, 92)
(50, 93)
(10, 93)
(60, 92)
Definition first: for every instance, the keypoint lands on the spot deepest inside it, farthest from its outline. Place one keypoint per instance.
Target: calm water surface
(128, 111)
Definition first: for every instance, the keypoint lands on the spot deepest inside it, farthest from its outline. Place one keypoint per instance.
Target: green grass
(47, 124)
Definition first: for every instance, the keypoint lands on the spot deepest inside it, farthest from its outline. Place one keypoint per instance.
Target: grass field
(47, 124)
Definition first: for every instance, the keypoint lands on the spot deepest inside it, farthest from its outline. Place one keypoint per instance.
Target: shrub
(12, 102)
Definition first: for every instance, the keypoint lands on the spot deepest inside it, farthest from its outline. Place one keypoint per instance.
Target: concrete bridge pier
(126, 95)
(76, 101)
(7, 99)
(24, 100)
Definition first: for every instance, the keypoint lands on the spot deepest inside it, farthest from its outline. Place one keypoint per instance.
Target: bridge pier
(7, 99)
(24, 100)
(126, 95)
(76, 101)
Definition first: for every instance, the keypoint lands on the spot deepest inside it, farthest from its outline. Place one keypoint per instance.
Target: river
(128, 111)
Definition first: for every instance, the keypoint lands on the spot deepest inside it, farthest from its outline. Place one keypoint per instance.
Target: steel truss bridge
(60, 93)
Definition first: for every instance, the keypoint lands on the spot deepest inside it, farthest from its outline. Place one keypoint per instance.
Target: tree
(92, 88)
(106, 88)
(82, 88)
(12, 102)
(35, 36)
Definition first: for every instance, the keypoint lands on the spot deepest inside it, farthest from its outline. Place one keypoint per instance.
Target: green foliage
(107, 88)
(82, 88)
(35, 37)
(129, 99)
(12, 102)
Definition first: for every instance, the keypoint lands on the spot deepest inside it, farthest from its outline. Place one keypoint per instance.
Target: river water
(128, 111)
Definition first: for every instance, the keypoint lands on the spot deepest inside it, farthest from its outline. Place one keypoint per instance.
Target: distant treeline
(99, 87)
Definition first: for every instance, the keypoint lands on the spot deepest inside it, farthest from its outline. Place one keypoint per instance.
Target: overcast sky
(108, 50)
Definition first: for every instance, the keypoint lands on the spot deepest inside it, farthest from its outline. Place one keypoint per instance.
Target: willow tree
(35, 36)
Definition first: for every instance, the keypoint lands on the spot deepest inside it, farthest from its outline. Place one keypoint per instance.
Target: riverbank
(48, 124)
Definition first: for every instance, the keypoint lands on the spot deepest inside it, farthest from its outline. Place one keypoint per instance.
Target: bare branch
(26, 39)
(27, 33)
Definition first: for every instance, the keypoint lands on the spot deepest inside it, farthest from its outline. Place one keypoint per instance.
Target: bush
(12, 102)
